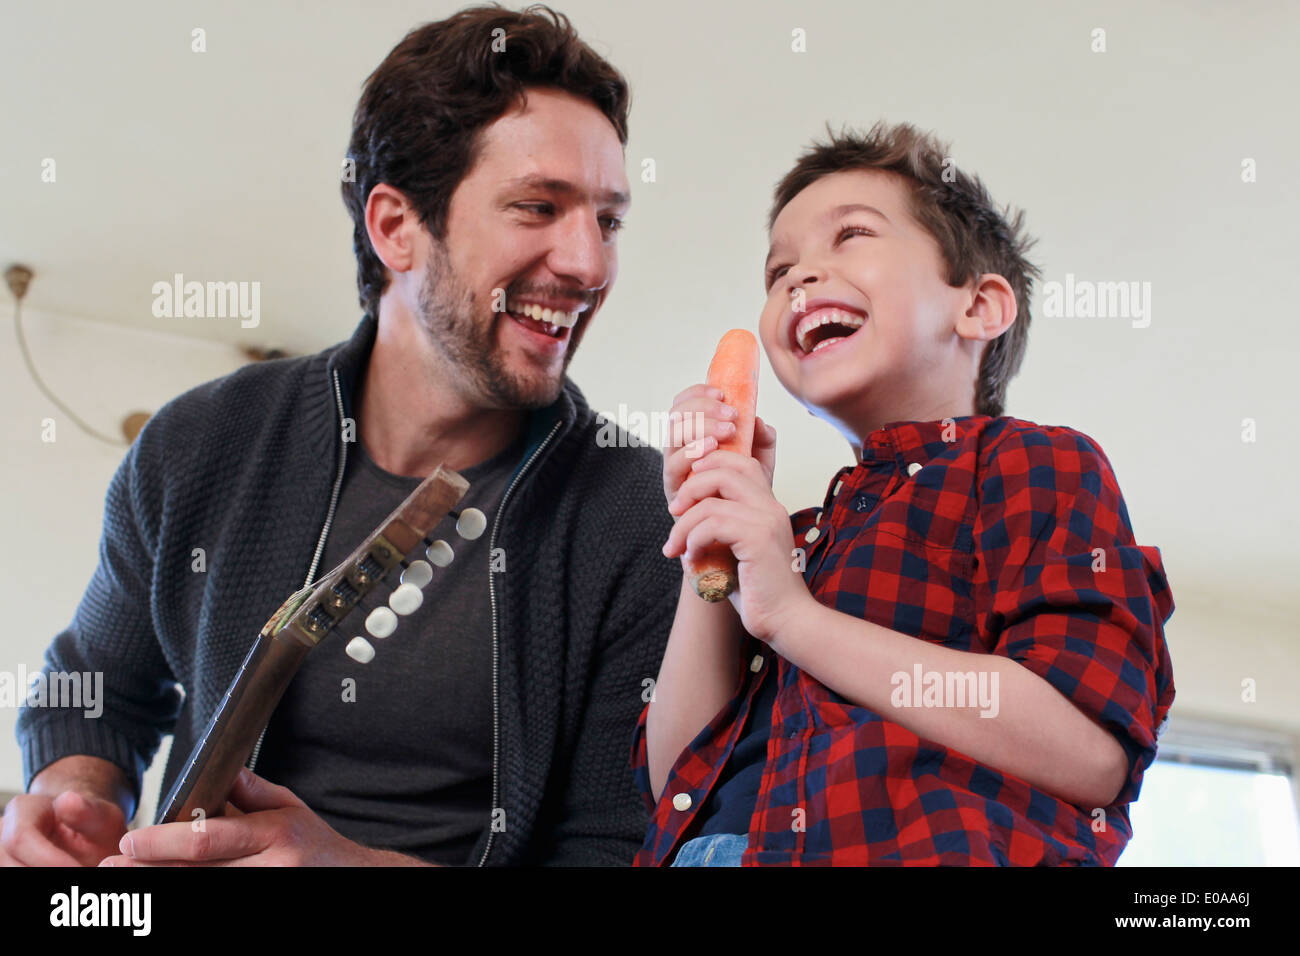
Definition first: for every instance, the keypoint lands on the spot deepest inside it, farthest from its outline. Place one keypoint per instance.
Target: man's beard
(447, 313)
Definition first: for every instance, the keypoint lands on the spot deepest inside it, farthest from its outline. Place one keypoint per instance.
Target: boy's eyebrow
(827, 216)
(563, 187)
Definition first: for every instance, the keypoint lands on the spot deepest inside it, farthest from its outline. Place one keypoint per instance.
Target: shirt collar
(906, 443)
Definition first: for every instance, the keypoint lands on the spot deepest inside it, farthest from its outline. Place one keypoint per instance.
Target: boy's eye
(777, 271)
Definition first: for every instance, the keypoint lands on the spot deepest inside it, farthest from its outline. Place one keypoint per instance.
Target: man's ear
(392, 225)
(991, 311)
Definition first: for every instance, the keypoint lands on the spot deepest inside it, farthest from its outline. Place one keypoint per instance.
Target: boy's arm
(698, 677)
(1079, 653)
(1074, 614)
(1032, 732)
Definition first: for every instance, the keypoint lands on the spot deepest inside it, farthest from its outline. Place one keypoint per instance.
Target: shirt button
(756, 664)
(813, 534)
(913, 468)
(682, 801)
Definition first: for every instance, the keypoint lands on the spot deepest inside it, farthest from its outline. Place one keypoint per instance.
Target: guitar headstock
(316, 610)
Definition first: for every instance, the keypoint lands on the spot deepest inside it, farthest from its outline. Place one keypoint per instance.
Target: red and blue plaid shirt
(989, 535)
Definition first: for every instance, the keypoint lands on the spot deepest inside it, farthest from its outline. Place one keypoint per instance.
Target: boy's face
(895, 351)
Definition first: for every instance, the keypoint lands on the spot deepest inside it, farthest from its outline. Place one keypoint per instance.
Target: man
(493, 727)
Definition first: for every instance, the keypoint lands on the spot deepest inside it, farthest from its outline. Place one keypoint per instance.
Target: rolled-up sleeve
(1073, 598)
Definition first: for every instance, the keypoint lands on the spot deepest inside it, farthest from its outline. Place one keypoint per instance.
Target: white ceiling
(225, 165)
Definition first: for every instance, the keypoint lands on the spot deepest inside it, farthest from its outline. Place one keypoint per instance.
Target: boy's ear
(991, 311)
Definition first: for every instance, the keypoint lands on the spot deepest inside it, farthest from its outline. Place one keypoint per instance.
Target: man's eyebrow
(563, 187)
(830, 214)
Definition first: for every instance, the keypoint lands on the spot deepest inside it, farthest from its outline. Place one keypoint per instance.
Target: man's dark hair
(419, 121)
(954, 207)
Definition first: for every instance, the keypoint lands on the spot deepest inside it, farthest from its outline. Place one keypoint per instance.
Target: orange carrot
(734, 369)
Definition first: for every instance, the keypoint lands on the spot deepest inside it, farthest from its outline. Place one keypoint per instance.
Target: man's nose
(580, 252)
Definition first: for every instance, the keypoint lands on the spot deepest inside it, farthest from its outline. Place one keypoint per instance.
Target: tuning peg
(360, 650)
(381, 622)
(471, 523)
(418, 573)
(440, 553)
(405, 599)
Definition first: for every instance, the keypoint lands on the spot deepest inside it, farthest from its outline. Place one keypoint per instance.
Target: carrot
(734, 369)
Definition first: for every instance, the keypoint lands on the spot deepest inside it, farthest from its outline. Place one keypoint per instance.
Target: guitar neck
(227, 741)
(298, 626)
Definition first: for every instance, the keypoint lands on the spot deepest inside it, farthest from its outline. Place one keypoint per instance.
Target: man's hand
(728, 499)
(70, 829)
(272, 828)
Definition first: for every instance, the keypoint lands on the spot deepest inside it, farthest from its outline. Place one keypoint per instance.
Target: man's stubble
(447, 313)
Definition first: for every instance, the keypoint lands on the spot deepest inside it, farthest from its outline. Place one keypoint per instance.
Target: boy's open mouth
(824, 327)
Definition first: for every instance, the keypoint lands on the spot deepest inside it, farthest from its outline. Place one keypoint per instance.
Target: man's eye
(542, 208)
(615, 224)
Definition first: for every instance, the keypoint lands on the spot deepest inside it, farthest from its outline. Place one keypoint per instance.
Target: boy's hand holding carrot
(728, 499)
(720, 487)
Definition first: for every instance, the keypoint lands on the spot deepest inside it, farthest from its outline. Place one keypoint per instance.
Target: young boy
(959, 657)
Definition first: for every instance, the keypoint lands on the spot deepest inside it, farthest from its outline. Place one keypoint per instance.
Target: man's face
(532, 226)
(892, 352)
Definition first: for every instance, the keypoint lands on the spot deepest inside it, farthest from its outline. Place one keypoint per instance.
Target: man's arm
(91, 776)
(601, 819)
(97, 749)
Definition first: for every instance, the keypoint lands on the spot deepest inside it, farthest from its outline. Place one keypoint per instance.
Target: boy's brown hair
(954, 207)
(418, 124)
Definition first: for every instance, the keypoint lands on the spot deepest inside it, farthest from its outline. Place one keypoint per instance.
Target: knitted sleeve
(602, 821)
(105, 689)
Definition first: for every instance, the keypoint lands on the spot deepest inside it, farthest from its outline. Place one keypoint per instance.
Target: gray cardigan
(246, 467)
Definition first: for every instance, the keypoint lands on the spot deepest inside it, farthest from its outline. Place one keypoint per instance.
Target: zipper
(324, 533)
(492, 594)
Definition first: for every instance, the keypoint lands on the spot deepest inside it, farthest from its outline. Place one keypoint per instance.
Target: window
(1217, 795)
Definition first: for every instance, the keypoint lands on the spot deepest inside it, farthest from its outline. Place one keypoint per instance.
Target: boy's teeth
(825, 317)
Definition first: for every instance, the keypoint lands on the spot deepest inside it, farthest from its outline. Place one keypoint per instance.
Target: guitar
(304, 620)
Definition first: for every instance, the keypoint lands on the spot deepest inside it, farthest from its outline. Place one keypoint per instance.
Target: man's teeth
(565, 320)
(803, 331)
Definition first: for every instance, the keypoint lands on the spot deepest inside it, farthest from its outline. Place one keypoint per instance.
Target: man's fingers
(97, 820)
(253, 793)
(214, 839)
(28, 830)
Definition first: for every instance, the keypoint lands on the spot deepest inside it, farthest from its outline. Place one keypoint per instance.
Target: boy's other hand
(728, 498)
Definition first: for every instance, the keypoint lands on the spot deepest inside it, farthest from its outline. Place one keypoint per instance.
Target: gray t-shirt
(402, 759)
